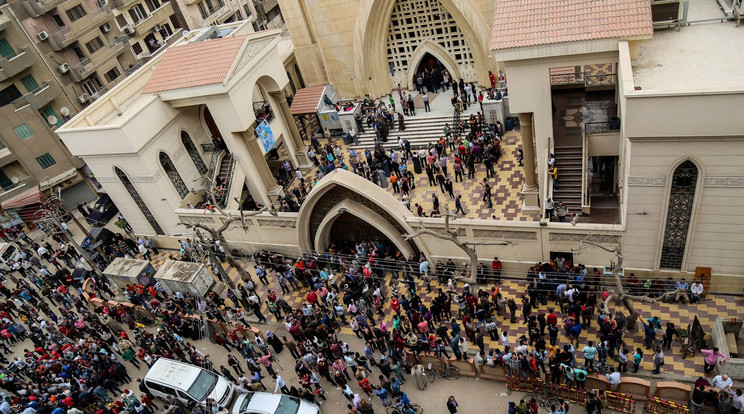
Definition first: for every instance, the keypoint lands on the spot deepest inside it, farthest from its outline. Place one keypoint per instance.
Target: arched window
(679, 213)
(138, 201)
(172, 173)
(193, 153)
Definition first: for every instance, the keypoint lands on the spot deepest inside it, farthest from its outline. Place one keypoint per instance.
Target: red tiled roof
(194, 64)
(519, 23)
(306, 100)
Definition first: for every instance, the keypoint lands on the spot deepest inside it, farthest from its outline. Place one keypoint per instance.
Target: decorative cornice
(724, 182)
(647, 181)
(134, 179)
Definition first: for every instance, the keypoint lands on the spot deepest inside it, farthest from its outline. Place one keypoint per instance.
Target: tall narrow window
(172, 173)
(138, 201)
(679, 213)
(193, 153)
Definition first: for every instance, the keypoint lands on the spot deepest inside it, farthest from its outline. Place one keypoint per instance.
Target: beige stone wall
(334, 41)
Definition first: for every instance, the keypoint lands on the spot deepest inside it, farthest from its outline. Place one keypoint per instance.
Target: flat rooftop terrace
(703, 56)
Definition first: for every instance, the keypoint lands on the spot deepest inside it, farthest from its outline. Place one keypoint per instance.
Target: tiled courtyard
(506, 186)
(679, 314)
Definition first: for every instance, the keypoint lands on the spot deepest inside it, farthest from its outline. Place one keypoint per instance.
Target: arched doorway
(348, 230)
(363, 211)
(214, 132)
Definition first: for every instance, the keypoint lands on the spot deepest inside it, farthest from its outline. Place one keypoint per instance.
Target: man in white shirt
(723, 383)
(696, 291)
(614, 378)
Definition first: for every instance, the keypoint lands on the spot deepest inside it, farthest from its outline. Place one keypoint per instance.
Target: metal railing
(567, 78)
(600, 80)
(601, 127)
(133, 68)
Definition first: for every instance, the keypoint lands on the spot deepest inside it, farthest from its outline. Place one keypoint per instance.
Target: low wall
(733, 367)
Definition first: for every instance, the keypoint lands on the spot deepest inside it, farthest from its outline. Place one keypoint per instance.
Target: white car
(268, 403)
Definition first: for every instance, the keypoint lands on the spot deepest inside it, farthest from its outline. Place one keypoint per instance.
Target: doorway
(348, 230)
(430, 69)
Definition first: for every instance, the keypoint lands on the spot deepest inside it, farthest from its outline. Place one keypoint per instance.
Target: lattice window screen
(414, 21)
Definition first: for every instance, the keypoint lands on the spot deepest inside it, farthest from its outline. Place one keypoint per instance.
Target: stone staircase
(419, 131)
(569, 162)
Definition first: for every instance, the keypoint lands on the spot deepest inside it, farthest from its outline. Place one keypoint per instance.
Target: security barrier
(564, 392)
(620, 402)
(656, 405)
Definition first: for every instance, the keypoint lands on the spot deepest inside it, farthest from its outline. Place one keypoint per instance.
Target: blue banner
(266, 136)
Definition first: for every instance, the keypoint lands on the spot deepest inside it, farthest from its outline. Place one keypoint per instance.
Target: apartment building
(203, 13)
(149, 25)
(39, 91)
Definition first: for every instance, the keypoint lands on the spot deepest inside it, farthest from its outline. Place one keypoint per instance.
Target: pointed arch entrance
(430, 55)
(342, 196)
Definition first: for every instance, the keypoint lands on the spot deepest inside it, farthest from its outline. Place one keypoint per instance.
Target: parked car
(188, 383)
(9, 253)
(268, 403)
(103, 210)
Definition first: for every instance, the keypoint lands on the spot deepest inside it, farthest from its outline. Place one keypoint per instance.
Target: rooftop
(522, 23)
(704, 56)
(194, 64)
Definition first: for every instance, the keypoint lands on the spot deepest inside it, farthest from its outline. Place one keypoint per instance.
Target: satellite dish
(65, 111)
(186, 34)
(14, 180)
(52, 120)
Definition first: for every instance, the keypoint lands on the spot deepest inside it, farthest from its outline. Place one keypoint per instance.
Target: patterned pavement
(506, 186)
(679, 314)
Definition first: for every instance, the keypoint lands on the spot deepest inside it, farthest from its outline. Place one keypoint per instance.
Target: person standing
(425, 98)
(452, 405)
(549, 206)
(712, 357)
(458, 205)
(658, 360)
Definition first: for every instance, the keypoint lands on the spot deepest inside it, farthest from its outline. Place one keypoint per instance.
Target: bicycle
(544, 398)
(445, 370)
(413, 408)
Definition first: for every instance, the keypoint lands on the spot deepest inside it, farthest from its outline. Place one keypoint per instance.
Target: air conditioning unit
(106, 28)
(143, 55)
(83, 98)
(63, 68)
(43, 35)
(128, 29)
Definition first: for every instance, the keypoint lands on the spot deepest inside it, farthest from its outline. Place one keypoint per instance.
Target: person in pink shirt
(711, 359)
(266, 362)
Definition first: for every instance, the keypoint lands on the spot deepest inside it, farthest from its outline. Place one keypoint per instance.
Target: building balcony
(4, 21)
(38, 98)
(36, 8)
(121, 3)
(16, 64)
(7, 156)
(65, 36)
(160, 15)
(87, 67)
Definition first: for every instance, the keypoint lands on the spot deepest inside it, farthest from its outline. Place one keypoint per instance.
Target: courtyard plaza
(506, 185)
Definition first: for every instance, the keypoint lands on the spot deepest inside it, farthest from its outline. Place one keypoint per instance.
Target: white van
(188, 383)
(9, 253)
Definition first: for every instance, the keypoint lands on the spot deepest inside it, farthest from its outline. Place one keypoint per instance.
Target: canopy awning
(28, 197)
(58, 179)
(307, 100)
